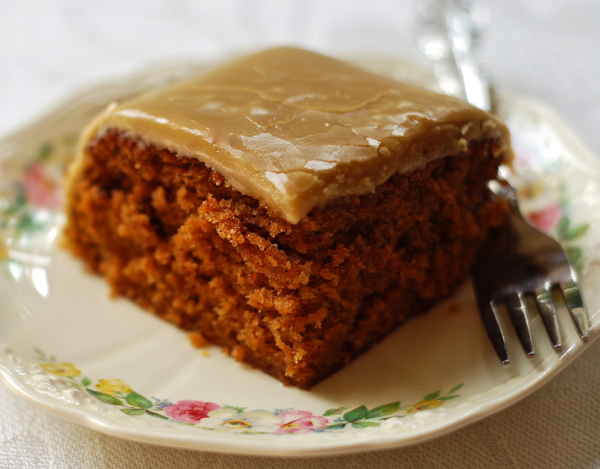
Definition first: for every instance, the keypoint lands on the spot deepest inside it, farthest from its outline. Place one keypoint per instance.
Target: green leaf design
(577, 232)
(456, 388)
(19, 203)
(25, 223)
(106, 398)
(365, 424)
(336, 426)
(383, 410)
(45, 152)
(85, 381)
(39, 353)
(392, 417)
(356, 414)
(433, 395)
(573, 254)
(137, 400)
(563, 226)
(129, 411)
(447, 398)
(337, 411)
(154, 414)
(239, 410)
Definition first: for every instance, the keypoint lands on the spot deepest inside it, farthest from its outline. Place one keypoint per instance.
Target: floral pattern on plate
(34, 201)
(228, 418)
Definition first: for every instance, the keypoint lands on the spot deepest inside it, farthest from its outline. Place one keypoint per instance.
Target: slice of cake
(286, 206)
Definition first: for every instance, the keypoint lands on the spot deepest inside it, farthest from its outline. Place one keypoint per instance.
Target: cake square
(286, 206)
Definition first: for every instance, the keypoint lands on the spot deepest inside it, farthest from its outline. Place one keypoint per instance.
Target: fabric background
(548, 49)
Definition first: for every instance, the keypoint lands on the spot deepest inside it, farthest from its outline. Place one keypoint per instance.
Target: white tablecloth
(549, 49)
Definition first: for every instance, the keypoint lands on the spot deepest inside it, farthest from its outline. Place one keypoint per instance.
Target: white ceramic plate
(69, 349)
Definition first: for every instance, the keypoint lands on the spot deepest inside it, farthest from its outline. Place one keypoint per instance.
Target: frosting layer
(296, 129)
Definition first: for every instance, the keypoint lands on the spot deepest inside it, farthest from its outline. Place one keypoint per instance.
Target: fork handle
(447, 33)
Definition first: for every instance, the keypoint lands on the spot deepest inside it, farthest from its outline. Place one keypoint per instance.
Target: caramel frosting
(296, 129)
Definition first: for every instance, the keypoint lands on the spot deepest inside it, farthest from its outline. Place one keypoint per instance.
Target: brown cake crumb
(197, 339)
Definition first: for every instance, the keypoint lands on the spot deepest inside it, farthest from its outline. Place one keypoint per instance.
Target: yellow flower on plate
(424, 405)
(3, 249)
(113, 386)
(61, 369)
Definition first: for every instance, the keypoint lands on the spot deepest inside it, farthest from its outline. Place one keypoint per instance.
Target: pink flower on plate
(40, 190)
(190, 411)
(545, 219)
(300, 421)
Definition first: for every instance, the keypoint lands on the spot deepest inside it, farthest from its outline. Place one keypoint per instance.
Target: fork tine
(547, 310)
(575, 306)
(515, 305)
(492, 327)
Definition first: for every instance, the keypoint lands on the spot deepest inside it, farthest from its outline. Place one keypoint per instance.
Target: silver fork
(518, 268)
(522, 270)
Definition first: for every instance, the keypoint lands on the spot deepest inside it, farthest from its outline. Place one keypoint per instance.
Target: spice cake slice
(289, 207)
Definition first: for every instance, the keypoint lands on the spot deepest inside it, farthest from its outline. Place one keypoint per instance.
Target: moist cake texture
(286, 206)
